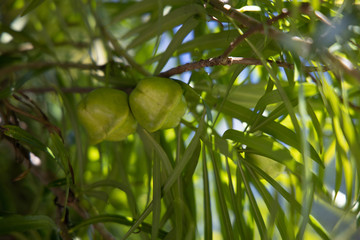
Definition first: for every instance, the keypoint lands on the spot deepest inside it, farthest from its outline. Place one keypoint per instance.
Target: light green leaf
(207, 199)
(263, 145)
(256, 214)
(220, 187)
(189, 152)
(275, 129)
(148, 139)
(178, 16)
(176, 41)
(113, 218)
(141, 7)
(246, 95)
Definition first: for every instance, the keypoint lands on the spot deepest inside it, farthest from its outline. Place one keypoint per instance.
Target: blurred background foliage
(269, 147)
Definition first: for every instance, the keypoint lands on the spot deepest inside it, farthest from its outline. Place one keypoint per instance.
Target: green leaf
(256, 214)
(176, 41)
(148, 139)
(178, 16)
(114, 218)
(141, 7)
(275, 129)
(246, 95)
(207, 199)
(235, 205)
(156, 197)
(25, 137)
(189, 152)
(220, 190)
(17, 223)
(263, 145)
(310, 90)
(291, 200)
(33, 5)
(58, 148)
(276, 212)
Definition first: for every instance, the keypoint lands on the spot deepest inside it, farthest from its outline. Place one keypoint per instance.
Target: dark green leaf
(33, 5)
(25, 137)
(17, 223)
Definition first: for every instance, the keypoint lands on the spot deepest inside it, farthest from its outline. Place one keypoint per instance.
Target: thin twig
(228, 62)
(241, 38)
(38, 65)
(26, 114)
(224, 59)
(67, 90)
(287, 40)
(51, 89)
(254, 29)
(256, 26)
(340, 64)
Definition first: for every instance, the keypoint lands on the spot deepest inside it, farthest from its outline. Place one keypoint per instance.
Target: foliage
(277, 79)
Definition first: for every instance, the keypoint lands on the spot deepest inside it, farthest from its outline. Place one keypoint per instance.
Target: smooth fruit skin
(157, 103)
(105, 114)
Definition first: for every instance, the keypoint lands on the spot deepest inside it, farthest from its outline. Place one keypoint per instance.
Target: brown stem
(64, 90)
(38, 65)
(256, 28)
(224, 59)
(17, 110)
(227, 62)
(241, 38)
(341, 65)
(253, 25)
(67, 90)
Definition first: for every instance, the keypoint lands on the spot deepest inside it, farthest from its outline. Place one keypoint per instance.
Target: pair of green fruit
(109, 114)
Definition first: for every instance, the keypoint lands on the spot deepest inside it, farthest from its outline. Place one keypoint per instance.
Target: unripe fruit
(269, 166)
(157, 103)
(106, 115)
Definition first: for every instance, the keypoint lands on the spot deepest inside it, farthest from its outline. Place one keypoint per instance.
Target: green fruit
(269, 166)
(157, 103)
(106, 115)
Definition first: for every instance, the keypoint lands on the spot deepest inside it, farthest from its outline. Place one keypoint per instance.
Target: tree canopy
(268, 147)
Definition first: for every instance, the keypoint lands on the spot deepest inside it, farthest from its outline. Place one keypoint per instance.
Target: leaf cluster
(276, 79)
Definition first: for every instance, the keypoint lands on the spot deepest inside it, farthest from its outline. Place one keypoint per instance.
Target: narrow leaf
(113, 218)
(17, 223)
(176, 41)
(34, 4)
(25, 137)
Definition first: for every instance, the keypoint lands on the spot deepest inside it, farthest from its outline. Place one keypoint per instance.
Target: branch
(341, 64)
(294, 43)
(255, 26)
(38, 65)
(26, 114)
(228, 61)
(68, 90)
(51, 89)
